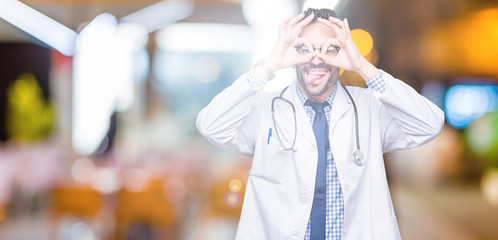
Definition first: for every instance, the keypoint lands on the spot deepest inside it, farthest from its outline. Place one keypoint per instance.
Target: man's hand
(349, 57)
(284, 53)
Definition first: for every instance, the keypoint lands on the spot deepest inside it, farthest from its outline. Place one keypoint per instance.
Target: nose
(316, 60)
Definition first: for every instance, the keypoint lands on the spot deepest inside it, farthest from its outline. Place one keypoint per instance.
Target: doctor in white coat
(277, 130)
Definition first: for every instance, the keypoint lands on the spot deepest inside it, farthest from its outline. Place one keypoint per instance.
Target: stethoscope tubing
(358, 157)
(275, 123)
(355, 117)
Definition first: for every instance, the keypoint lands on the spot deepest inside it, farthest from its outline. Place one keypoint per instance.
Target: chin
(316, 81)
(316, 90)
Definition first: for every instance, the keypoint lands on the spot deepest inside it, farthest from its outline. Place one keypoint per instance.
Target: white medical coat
(279, 192)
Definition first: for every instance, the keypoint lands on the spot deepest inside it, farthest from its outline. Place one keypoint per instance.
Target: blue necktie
(318, 210)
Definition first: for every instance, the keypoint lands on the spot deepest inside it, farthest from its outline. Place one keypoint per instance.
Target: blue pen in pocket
(269, 136)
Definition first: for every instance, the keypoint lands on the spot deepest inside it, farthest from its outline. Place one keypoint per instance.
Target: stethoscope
(358, 157)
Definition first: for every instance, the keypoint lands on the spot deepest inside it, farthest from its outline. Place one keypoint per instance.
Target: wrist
(271, 63)
(367, 70)
(263, 69)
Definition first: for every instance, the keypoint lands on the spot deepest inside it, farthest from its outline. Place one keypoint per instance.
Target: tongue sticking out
(313, 76)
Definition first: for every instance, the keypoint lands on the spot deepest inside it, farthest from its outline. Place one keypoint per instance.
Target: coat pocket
(271, 162)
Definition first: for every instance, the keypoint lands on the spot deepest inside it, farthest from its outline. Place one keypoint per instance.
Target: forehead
(317, 33)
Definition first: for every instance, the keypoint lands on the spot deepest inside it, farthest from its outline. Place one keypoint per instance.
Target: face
(317, 79)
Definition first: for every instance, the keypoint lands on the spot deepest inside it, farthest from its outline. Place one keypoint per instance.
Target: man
(309, 178)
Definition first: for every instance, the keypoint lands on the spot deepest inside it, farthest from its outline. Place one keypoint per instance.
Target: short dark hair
(324, 13)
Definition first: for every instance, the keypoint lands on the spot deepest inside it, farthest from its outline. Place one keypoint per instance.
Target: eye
(333, 50)
(301, 49)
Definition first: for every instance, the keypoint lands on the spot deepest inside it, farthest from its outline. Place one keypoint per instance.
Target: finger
(326, 22)
(305, 22)
(304, 42)
(284, 25)
(331, 42)
(347, 29)
(296, 30)
(346, 25)
(336, 21)
(286, 20)
(334, 27)
(296, 19)
(344, 32)
(335, 24)
(310, 54)
(341, 25)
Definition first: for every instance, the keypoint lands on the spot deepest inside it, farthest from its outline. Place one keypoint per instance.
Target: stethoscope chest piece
(358, 157)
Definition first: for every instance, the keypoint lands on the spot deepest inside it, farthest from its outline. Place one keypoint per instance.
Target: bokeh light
(363, 41)
(235, 185)
(106, 181)
(482, 134)
(490, 186)
(464, 103)
(83, 170)
(81, 231)
(134, 180)
(232, 199)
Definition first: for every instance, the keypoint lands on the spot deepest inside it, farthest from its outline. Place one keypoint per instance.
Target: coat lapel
(340, 106)
(304, 127)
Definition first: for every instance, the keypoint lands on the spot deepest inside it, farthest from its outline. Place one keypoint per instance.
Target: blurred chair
(144, 214)
(73, 202)
(3, 212)
(78, 200)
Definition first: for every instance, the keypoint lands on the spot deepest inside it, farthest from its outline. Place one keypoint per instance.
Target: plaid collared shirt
(334, 204)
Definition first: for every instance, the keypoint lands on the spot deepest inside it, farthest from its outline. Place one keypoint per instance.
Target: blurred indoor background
(98, 101)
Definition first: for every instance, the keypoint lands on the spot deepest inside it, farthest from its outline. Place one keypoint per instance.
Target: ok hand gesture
(284, 54)
(349, 57)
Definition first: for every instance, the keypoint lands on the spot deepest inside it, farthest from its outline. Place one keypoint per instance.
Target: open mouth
(315, 76)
